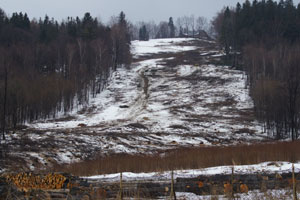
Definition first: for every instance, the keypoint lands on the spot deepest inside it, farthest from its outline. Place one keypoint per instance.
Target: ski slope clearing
(175, 94)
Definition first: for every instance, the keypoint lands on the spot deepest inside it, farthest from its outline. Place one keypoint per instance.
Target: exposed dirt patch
(245, 130)
(179, 127)
(137, 126)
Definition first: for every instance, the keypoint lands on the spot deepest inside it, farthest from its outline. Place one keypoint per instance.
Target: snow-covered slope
(142, 48)
(173, 95)
(203, 99)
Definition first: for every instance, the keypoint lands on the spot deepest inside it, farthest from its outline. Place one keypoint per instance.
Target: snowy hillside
(173, 95)
(195, 99)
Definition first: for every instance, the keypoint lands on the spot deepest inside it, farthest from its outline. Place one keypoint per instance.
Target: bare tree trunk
(121, 187)
(82, 46)
(294, 184)
(4, 104)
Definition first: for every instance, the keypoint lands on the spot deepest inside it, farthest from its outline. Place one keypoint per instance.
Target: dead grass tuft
(186, 158)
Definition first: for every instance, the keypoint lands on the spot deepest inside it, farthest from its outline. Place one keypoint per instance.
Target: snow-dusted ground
(262, 168)
(156, 46)
(152, 106)
(195, 99)
(251, 195)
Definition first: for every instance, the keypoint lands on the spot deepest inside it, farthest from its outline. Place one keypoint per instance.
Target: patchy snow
(186, 70)
(256, 194)
(65, 157)
(155, 46)
(174, 102)
(219, 55)
(153, 106)
(263, 168)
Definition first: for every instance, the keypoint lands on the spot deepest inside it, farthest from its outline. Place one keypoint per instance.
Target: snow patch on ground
(251, 195)
(262, 168)
(186, 70)
(155, 46)
(65, 157)
(184, 105)
(195, 99)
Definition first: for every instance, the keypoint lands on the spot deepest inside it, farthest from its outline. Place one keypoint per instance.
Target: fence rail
(78, 188)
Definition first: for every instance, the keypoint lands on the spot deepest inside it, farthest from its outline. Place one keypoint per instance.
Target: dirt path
(145, 84)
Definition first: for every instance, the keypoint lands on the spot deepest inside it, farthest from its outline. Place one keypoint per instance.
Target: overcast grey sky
(135, 10)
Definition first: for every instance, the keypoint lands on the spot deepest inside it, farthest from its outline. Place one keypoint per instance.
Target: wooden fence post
(232, 182)
(232, 179)
(121, 187)
(294, 184)
(173, 194)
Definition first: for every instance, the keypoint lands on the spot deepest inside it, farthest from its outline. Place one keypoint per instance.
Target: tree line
(268, 35)
(186, 26)
(47, 67)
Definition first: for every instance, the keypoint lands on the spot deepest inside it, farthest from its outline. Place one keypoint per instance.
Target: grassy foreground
(186, 158)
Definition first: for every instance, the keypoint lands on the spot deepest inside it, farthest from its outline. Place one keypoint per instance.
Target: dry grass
(187, 158)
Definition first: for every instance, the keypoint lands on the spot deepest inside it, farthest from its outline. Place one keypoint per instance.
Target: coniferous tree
(181, 32)
(171, 27)
(143, 33)
(226, 36)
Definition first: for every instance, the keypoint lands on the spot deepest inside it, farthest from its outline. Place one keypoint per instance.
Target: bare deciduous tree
(201, 24)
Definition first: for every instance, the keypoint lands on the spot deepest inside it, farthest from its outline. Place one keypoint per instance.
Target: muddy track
(145, 84)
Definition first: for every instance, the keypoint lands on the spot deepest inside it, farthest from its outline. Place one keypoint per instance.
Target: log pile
(29, 181)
